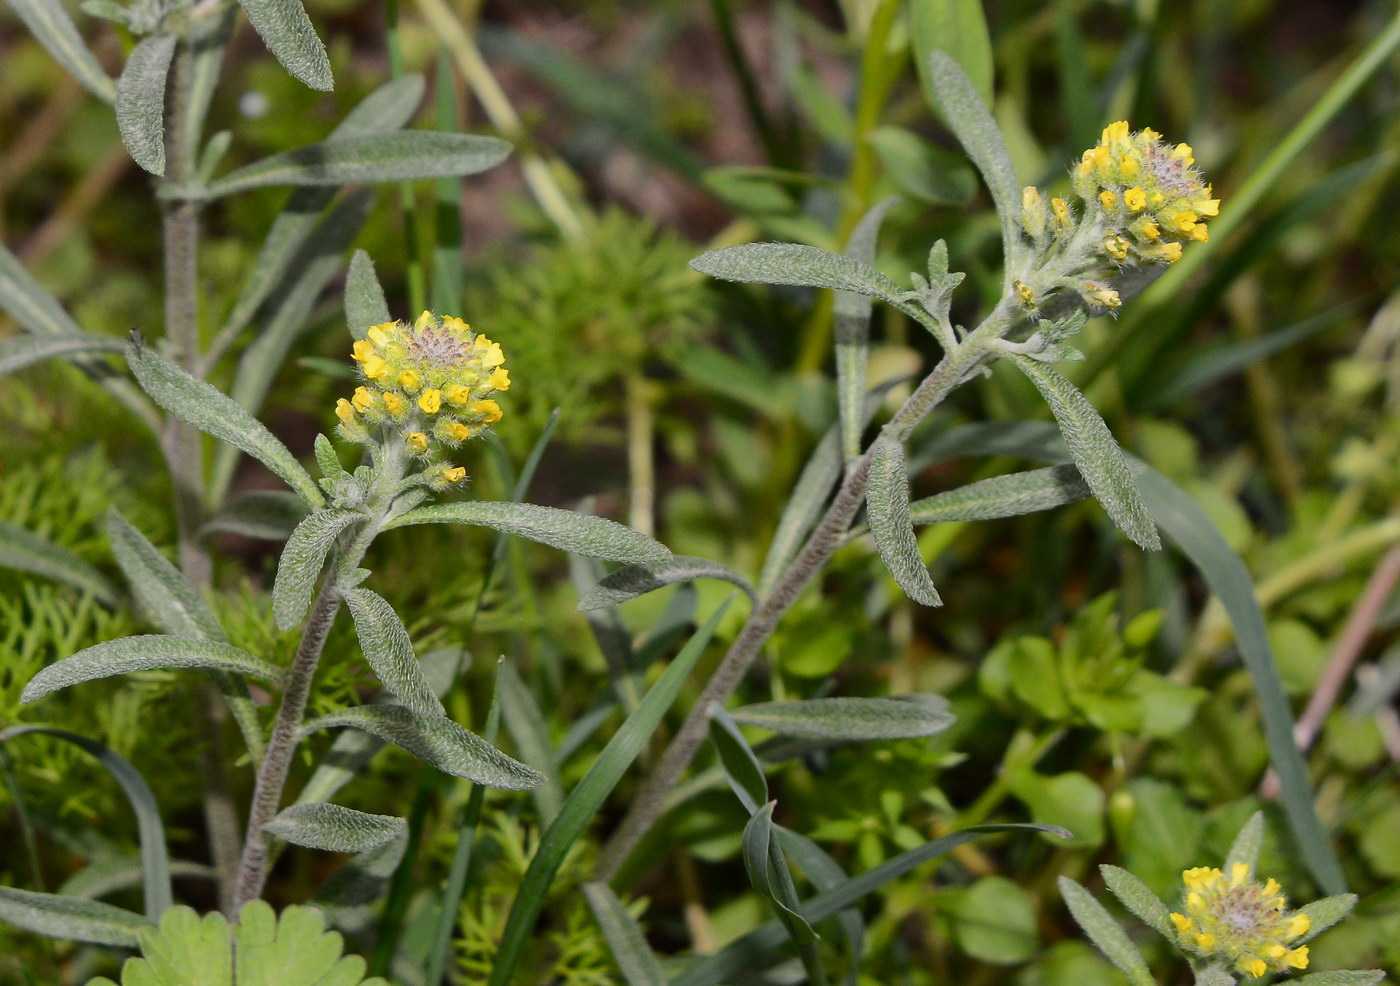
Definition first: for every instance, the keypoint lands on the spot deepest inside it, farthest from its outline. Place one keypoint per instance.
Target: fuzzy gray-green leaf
(852, 332)
(850, 718)
(266, 515)
(1003, 496)
(1106, 934)
(634, 957)
(25, 551)
(887, 503)
(1137, 898)
(581, 534)
(18, 352)
(435, 740)
(195, 401)
(1326, 912)
(51, 26)
(390, 653)
(632, 581)
(1097, 455)
(144, 652)
(286, 30)
(1245, 848)
(796, 264)
(364, 298)
(1342, 977)
(374, 158)
(301, 562)
(333, 828)
(71, 918)
(141, 101)
(172, 600)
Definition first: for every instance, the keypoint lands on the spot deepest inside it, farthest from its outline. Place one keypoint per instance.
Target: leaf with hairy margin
(850, 718)
(71, 918)
(1245, 848)
(632, 581)
(1138, 898)
(334, 828)
(634, 957)
(435, 740)
(20, 351)
(163, 588)
(51, 26)
(1106, 934)
(141, 101)
(800, 265)
(302, 560)
(286, 29)
(364, 298)
(23, 550)
(1011, 495)
(145, 652)
(852, 332)
(389, 651)
(568, 530)
(1324, 913)
(265, 515)
(887, 504)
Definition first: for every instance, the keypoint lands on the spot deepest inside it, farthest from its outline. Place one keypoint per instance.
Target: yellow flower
(362, 399)
(344, 411)
(394, 402)
(1135, 198)
(490, 411)
(1239, 920)
(430, 401)
(499, 379)
(410, 379)
(454, 475)
(417, 442)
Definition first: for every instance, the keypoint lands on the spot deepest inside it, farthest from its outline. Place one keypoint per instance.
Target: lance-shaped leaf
(797, 264)
(21, 351)
(71, 918)
(373, 158)
(1097, 455)
(1106, 934)
(435, 740)
(390, 653)
(824, 872)
(1326, 912)
(362, 880)
(318, 825)
(850, 718)
(1138, 898)
(1245, 848)
(195, 401)
(887, 503)
(26, 551)
(1003, 496)
(286, 30)
(959, 28)
(972, 122)
(145, 652)
(741, 767)
(266, 515)
(804, 507)
(175, 604)
(769, 875)
(364, 298)
(1342, 977)
(141, 101)
(852, 335)
(302, 560)
(632, 581)
(582, 534)
(51, 26)
(634, 957)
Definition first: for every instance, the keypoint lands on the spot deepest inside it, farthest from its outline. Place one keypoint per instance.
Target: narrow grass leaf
(145, 652)
(1245, 848)
(333, 828)
(208, 38)
(584, 801)
(852, 332)
(804, 507)
(632, 581)
(959, 29)
(741, 767)
(196, 402)
(20, 351)
(373, 158)
(155, 861)
(51, 26)
(1097, 455)
(797, 264)
(529, 731)
(1106, 934)
(364, 298)
(824, 872)
(71, 918)
(1003, 496)
(286, 29)
(435, 740)
(390, 653)
(567, 530)
(760, 862)
(163, 588)
(887, 503)
(23, 550)
(1137, 898)
(141, 101)
(264, 515)
(302, 560)
(850, 718)
(634, 957)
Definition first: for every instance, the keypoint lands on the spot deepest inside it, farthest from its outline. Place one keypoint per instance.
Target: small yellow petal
(430, 400)
(1183, 152)
(362, 399)
(456, 324)
(344, 411)
(499, 379)
(1199, 233)
(410, 379)
(454, 475)
(379, 334)
(1061, 210)
(374, 367)
(417, 442)
(362, 350)
(1275, 951)
(457, 395)
(1195, 902)
(1107, 198)
(1135, 198)
(424, 320)
(1297, 959)
(1239, 873)
(1298, 924)
(1205, 940)
(1129, 167)
(489, 410)
(455, 431)
(394, 402)
(1117, 130)
(1255, 967)
(1182, 922)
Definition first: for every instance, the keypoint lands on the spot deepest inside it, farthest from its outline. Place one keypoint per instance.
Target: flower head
(1240, 920)
(428, 383)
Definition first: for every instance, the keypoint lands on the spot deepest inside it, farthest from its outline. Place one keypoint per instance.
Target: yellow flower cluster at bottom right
(1240, 920)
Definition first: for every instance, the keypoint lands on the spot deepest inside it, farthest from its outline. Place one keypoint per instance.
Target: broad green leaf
(364, 298)
(994, 921)
(317, 825)
(887, 503)
(632, 581)
(1070, 799)
(196, 402)
(956, 29)
(584, 801)
(18, 352)
(1245, 848)
(1097, 455)
(567, 530)
(1003, 496)
(850, 718)
(923, 169)
(26, 551)
(852, 333)
(797, 264)
(1106, 934)
(266, 515)
(741, 766)
(145, 652)
(1137, 898)
(1326, 912)
(390, 653)
(171, 599)
(634, 957)
(141, 101)
(155, 861)
(435, 740)
(51, 26)
(302, 560)
(70, 918)
(286, 30)
(374, 158)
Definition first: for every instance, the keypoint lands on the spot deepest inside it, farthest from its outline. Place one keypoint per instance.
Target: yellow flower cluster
(430, 382)
(1151, 197)
(1240, 920)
